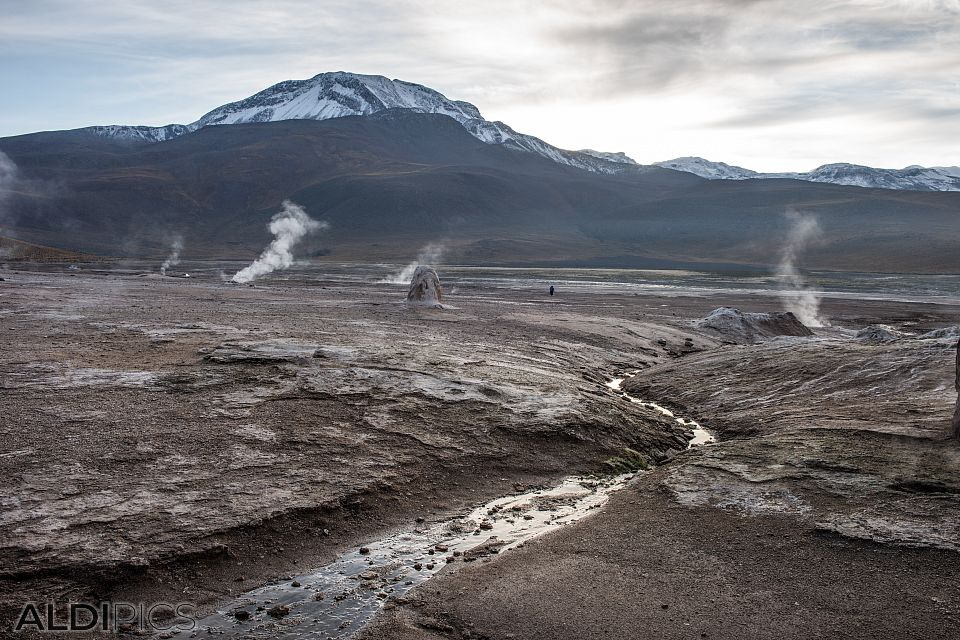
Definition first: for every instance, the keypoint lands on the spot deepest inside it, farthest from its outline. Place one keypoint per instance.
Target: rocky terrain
(166, 437)
(829, 508)
(148, 420)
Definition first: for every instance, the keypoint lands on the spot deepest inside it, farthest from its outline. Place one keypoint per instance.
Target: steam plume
(288, 227)
(430, 255)
(174, 258)
(797, 296)
(8, 179)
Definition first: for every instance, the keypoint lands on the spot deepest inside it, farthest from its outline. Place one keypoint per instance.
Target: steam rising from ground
(174, 258)
(288, 227)
(429, 256)
(8, 179)
(797, 296)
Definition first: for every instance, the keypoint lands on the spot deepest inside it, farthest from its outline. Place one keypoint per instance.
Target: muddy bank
(829, 508)
(194, 439)
(648, 567)
(164, 435)
(337, 599)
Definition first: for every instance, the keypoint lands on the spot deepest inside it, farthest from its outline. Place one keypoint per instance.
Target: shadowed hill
(17, 251)
(389, 182)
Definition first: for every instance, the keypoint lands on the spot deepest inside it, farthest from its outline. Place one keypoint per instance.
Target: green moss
(627, 462)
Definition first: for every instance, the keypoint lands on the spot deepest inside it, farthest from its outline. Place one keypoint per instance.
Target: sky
(771, 85)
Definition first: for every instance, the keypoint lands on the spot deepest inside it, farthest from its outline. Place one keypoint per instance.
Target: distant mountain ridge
(338, 94)
(389, 182)
(913, 178)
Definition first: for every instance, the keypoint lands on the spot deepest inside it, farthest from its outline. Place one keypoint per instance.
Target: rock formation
(425, 287)
(733, 325)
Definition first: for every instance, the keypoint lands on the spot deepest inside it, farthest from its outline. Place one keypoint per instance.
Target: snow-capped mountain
(707, 169)
(339, 94)
(913, 178)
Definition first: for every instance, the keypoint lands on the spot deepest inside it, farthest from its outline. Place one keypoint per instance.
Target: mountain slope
(340, 94)
(912, 178)
(394, 180)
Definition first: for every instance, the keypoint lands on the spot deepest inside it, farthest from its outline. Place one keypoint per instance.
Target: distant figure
(551, 289)
(956, 413)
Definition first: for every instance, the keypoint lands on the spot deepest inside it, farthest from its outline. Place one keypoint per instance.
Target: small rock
(368, 575)
(418, 566)
(664, 606)
(278, 611)
(364, 551)
(421, 519)
(241, 614)
(294, 584)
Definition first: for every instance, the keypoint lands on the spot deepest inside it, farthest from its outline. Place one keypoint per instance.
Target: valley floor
(187, 439)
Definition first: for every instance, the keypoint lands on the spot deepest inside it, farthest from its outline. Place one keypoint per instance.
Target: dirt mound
(878, 334)
(733, 325)
(945, 333)
(425, 287)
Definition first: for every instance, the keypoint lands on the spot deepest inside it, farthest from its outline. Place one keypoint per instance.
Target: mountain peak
(338, 94)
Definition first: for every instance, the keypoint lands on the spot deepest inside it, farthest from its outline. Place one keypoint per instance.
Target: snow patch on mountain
(707, 169)
(618, 156)
(140, 133)
(913, 178)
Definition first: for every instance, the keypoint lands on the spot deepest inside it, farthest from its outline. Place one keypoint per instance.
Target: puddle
(700, 435)
(338, 599)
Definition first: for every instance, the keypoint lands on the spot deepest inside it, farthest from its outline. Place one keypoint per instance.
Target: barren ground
(176, 439)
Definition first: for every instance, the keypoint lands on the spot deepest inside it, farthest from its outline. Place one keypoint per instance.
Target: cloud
(738, 78)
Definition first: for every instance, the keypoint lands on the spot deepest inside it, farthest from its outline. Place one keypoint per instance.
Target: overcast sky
(767, 84)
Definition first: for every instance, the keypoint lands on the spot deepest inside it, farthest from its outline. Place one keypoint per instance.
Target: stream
(339, 598)
(700, 435)
(335, 601)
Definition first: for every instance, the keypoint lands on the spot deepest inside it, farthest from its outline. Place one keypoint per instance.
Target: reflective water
(336, 600)
(700, 434)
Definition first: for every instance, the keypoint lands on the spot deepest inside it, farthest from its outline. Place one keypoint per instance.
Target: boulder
(733, 325)
(425, 287)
